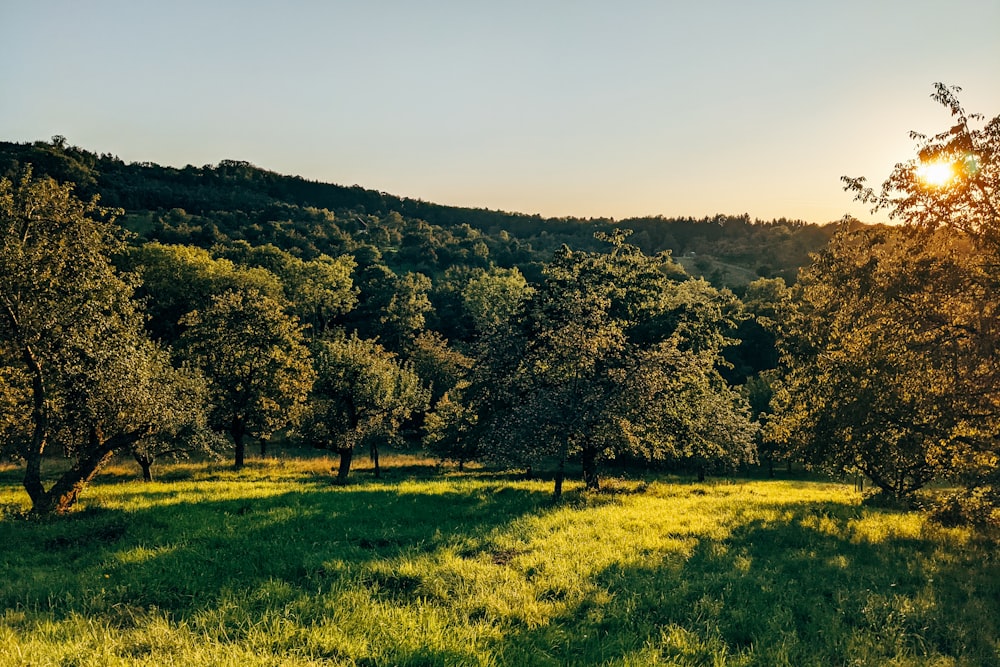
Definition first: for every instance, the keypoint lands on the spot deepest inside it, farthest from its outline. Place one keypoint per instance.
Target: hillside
(234, 200)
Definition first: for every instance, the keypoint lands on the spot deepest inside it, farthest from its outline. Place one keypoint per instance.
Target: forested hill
(235, 200)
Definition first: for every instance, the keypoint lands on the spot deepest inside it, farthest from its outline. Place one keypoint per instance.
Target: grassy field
(276, 566)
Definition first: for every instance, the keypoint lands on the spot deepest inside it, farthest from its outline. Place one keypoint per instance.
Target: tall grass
(276, 566)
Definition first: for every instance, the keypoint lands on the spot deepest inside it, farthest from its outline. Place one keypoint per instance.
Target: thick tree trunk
(263, 447)
(591, 478)
(345, 464)
(66, 491)
(373, 451)
(146, 464)
(560, 476)
(770, 467)
(701, 472)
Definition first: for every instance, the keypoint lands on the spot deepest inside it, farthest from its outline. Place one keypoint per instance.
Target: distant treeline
(235, 200)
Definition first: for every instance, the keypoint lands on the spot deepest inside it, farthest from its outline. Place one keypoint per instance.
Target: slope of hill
(234, 200)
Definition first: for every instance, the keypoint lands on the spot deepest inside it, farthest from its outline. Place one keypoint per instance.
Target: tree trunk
(590, 475)
(560, 475)
(701, 472)
(263, 447)
(66, 491)
(373, 452)
(770, 467)
(345, 464)
(146, 463)
(238, 431)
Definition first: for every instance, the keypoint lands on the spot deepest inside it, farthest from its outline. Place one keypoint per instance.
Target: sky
(562, 108)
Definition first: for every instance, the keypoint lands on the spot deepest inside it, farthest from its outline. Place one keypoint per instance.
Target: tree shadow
(805, 590)
(183, 557)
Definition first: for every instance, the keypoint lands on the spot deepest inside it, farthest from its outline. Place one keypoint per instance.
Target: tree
(595, 362)
(873, 357)
(186, 438)
(81, 373)
(492, 297)
(178, 279)
(449, 429)
(317, 290)
(361, 396)
(440, 366)
(392, 308)
(256, 362)
(890, 357)
(954, 181)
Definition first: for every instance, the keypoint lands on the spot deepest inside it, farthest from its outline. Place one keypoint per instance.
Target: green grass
(276, 566)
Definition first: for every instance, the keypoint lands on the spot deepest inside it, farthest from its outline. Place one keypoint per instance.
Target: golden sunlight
(937, 173)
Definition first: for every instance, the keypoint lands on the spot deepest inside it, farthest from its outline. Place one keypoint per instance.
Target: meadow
(275, 565)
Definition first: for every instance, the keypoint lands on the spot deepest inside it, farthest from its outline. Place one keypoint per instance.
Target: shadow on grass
(183, 557)
(801, 591)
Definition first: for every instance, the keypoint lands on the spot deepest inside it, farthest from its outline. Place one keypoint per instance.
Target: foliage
(969, 199)
(891, 356)
(319, 290)
(598, 363)
(178, 279)
(392, 308)
(449, 429)
(362, 394)
(80, 373)
(256, 362)
(495, 296)
(439, 366)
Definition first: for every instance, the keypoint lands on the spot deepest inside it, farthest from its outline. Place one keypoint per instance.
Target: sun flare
(936, 174)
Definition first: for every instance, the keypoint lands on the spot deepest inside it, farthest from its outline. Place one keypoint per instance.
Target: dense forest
(163, 311)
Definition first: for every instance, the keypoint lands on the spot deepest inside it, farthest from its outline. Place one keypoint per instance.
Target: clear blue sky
(561, 108)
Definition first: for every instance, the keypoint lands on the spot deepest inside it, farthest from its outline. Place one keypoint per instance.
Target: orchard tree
(449, 429)
(318, 290)
(873, 357)
(493, 297)
(79, 373)
(591, 366)
(192, 436)
(392, 308)
(948, 199)
(954, 180)
(256, 362)
(361, 397)
(178, 279)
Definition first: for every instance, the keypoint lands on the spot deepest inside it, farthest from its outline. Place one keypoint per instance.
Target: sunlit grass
(276, 565)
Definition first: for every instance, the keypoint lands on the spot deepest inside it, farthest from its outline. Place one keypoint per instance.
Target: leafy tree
(362, 395)
(874, 357)
(440, 366)
(318, 290)
(449, 429)
(392, 308)
(891, 354)
(178, 279)
(80, 373)
(192, 437)
(256, 362)
(954, 180)
(596, 362)
(493, 297)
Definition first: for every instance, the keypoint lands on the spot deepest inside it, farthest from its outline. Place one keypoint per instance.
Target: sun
(936, 174)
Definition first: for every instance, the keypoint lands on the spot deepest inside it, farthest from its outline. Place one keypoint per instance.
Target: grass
(276, 566)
